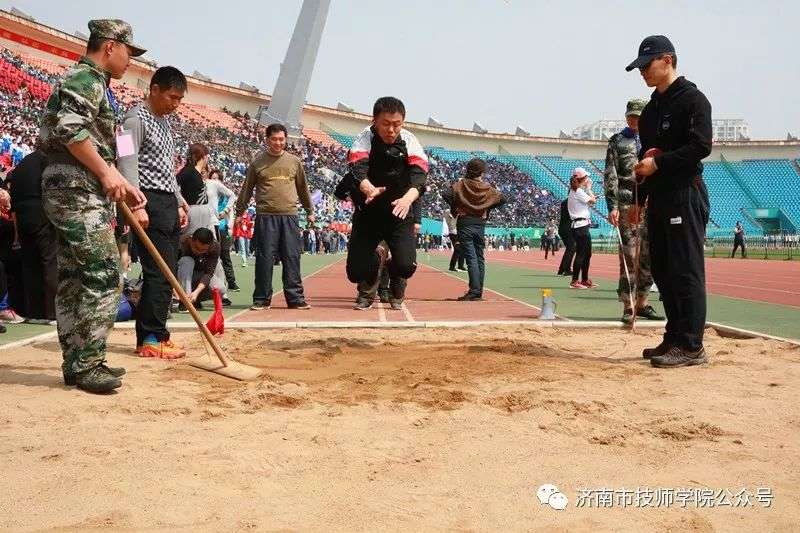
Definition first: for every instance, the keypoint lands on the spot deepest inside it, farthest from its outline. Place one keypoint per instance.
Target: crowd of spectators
(528, 206)
(232, 149)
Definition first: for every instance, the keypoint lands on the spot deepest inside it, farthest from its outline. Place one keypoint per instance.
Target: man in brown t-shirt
(279, 180)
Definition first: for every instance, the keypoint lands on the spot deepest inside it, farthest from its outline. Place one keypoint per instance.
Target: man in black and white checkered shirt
(146, 149)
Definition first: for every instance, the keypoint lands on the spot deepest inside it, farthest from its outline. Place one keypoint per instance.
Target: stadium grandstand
(751, 181)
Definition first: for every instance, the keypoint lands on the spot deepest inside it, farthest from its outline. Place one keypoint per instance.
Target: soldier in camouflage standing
(79, 188)
(619, 182)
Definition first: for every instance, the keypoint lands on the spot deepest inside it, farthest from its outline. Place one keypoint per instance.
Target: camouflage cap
(635, 107)
(116, 30)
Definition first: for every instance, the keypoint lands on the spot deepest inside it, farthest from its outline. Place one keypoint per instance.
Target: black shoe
(362, 304)
(627, 316)
(396, 305)
(97, 380)
(384, 296)
(2, 328)
(183, 309)
(470, 298)
(677, 356)
(261, 306)
(299, 305)
(234, 287)
(226, 302)
(658, 351)
(649, 313)
(453, 269)
(198, 306)
(117, 372)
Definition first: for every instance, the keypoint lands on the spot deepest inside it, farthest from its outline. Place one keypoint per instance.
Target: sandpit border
(558, 324)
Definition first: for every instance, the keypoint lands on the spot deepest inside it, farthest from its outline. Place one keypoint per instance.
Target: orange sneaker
(161, 350)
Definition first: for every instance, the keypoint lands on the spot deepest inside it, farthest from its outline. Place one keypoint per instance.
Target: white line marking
(496, 292)
(243, 311)
(407, 313)
(381, 311)
(30, 340)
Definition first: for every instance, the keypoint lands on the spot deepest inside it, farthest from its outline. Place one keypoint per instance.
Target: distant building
(725, 129)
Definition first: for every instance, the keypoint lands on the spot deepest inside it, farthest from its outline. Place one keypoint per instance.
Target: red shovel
(216, 324)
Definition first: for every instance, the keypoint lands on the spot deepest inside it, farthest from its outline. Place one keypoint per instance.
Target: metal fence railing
(772, 247)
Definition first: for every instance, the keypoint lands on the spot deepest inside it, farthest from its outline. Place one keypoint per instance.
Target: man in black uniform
(391, 167)
(738, 239)
(676, 122)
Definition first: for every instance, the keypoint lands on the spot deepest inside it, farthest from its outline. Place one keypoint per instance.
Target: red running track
(430, 296)
(752, 279)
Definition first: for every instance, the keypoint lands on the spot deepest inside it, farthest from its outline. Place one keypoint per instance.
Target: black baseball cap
(651, 48)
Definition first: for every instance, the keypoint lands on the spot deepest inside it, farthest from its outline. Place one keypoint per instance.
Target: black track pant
(677, 222)
(372, 227)
(739, 243)
(569, 252)
(583, 253)
(164, 231)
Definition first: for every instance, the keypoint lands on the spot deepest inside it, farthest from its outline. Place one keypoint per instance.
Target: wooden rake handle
(165, 270)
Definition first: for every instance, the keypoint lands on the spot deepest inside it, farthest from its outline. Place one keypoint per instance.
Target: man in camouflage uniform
(619, 183)
(79, 188)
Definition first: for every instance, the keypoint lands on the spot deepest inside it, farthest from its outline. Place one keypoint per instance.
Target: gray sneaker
(362, 304)
(658, 351)
(397, 305)
(677, 356)
(97, 380)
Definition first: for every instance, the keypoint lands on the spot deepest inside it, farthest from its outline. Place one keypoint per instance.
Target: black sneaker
(226, 302)
(470, 298)
(70, 379)
(303, 306)
(2, 328)
(234, 287)
(627, 316)
(97, 380)
(260, 306)
(183, 309)
(658, 351)
(396, 305)
(677, 356)
(362, 304)
(649, 313)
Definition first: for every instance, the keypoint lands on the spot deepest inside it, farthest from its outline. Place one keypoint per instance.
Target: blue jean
(244, 247)
(471, 237)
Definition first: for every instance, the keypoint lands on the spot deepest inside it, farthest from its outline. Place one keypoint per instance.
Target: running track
(772, 281)
(430, 296)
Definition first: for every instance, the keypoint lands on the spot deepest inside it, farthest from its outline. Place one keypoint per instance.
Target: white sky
(545, 65)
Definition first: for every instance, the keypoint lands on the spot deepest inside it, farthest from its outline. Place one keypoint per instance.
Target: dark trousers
(3, 281)
(677, 222)
(225, 256)
(370, 228)
(549, 246)
(583, 253)
(40, 270)
(569, 253)
(471, 237)
(737, 243)
(278, 235)
(164, 231)
(458, 252)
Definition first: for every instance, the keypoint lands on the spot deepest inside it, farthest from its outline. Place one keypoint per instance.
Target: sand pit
(403, 429)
